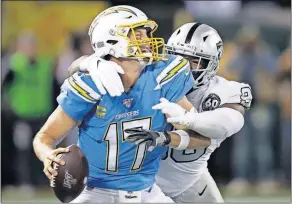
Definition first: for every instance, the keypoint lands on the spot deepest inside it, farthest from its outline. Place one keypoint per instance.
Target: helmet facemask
(204, 67)
(150, 48)
(202, 46)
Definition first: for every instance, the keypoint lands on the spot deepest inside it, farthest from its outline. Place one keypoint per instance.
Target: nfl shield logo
(127, 102)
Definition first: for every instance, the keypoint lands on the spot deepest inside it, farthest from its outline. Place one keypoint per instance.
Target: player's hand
(52, 157)
(75, 66)
(188, 120)
(169, 108)
(105, 74)
(151, 139)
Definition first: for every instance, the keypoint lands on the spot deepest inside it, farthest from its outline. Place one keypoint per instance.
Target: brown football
(72, 177)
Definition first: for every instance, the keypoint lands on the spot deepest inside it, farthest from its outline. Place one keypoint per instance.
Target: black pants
(7, 150)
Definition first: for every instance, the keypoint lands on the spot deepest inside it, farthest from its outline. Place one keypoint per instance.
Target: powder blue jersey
(114, 163)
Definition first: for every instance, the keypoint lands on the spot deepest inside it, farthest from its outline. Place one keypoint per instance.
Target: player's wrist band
(184, 139)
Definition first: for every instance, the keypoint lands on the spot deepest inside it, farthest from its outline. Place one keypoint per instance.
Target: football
(72, 177)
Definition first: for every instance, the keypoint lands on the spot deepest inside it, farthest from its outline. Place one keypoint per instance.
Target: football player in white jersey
(220, 106)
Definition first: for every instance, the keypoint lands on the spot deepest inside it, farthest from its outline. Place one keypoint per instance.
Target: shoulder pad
(82, 85)
(222, 91)
(170, 69)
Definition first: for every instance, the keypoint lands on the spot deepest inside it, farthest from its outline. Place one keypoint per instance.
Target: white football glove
(171, 109)
(216, 124)
(188, 120)
(105, 74)
(176, 113)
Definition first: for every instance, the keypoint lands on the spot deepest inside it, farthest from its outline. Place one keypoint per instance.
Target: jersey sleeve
(241, 94)
(176, 79)
(227, 92)
(78, 95)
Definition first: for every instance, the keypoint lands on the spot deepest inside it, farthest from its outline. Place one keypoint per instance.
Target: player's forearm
(43, 144)
(217, 124)
(56, 127)
(196, 140)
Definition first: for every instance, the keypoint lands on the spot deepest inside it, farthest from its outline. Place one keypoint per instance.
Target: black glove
(151, 138)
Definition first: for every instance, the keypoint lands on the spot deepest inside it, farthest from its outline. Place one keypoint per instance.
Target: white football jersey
(180, 169)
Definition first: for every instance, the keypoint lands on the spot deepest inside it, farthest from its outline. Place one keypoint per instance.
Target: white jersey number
(211, 102)
(112, 139)
(183, 156)
(246, 96)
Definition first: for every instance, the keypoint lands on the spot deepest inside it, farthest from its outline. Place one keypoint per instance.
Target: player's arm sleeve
(78, 95)
(216, 124)
(177, 81)
(241, 94)
(221, 122)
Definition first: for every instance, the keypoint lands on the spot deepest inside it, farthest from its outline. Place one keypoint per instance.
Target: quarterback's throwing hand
(52, 157)
(105, 74)
(151, 139)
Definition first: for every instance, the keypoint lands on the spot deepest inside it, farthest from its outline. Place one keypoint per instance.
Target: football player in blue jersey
(120, 171)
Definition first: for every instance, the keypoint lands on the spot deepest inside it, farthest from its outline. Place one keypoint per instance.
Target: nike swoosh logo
(200, 194)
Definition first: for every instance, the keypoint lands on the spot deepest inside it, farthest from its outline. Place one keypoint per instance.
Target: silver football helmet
(201, 45)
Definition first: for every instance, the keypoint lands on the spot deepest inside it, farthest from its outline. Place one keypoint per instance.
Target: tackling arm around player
(231, 115)
(105, 75)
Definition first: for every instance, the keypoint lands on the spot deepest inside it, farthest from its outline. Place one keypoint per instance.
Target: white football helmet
(109, 33)
(199, 42)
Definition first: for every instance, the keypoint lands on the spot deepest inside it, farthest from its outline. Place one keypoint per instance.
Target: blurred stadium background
(41, 38)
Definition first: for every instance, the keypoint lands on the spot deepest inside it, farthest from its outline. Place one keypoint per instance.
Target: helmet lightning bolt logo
(116, 10)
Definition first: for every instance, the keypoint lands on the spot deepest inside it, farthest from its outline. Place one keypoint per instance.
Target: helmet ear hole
(107, 57)
(112, 42)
